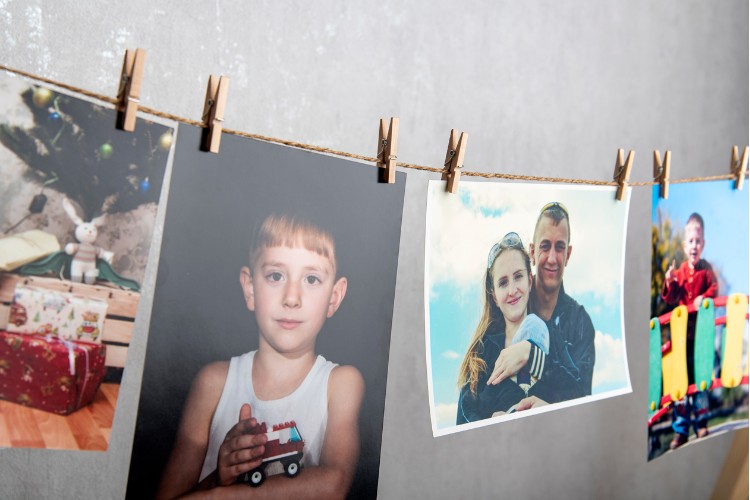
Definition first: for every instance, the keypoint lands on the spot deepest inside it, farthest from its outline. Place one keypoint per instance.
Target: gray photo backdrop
(543, 88)
(199, 314)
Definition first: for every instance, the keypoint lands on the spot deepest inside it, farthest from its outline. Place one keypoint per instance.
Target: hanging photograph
(698, 382)
(523, 297)
(268, 346)
(78, 204)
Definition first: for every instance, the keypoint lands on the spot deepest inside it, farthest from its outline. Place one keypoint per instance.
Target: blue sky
(460, 231)
(725, 215)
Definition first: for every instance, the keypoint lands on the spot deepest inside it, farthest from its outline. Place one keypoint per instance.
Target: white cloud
(461, 236)
(450, 355)
(610, 361)
(464, 226)
(445, 414)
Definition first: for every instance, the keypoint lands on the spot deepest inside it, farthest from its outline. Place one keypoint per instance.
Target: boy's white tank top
(307, 406)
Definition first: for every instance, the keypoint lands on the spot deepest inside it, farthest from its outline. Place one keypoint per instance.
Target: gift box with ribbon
(49, 373)
(65, 315)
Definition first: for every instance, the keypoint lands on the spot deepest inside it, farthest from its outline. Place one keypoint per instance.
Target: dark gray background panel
(216, 203)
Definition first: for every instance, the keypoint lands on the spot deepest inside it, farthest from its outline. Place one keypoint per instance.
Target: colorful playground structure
(668, 372)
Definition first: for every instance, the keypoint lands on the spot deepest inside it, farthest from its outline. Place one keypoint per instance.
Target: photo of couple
(518, 322)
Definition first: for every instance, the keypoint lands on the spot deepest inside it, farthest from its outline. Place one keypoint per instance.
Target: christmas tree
(74, 148)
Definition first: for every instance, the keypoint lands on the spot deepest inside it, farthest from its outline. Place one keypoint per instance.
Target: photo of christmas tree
(78, 205)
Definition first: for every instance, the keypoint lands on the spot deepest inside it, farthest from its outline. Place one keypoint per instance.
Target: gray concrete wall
(547, 88)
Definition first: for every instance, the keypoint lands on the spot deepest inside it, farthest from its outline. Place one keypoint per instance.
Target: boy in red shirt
(688, 285)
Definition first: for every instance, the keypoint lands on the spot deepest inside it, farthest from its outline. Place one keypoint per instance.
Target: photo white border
(427, 284)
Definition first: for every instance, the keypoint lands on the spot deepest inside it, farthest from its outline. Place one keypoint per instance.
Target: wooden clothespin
(213, 112)
(661, 172)
(622, 171)
(454, 160)
(387, 148)
(129, 93)
(738, 166)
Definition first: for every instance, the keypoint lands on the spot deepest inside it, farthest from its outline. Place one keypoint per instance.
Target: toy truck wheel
(256, 477)
(291, 468)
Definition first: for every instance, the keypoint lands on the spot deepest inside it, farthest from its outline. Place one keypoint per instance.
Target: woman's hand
(529, 403)
(511, 359)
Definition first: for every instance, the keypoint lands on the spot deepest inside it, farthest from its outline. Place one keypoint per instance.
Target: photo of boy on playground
(698, 369)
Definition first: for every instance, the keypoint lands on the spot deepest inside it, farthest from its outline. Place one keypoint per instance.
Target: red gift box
(50, 374)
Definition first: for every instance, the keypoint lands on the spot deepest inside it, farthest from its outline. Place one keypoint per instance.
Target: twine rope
(345, 154)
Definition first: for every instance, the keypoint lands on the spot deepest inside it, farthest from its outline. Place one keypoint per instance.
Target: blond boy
(694, 280)
(292, 287)
(688, 285)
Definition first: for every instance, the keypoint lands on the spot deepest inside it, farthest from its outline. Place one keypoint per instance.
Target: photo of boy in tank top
(292, 286)
(276, 277)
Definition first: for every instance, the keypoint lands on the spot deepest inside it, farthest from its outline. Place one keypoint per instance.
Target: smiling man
(567, 371)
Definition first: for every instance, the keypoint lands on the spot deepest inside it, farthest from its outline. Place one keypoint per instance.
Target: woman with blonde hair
(490, 384)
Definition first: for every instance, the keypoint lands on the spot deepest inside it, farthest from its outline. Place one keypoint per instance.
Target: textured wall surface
(545, 88)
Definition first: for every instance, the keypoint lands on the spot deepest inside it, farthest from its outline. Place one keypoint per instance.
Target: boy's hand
(670, 276)
(697, 302)
(242, 449)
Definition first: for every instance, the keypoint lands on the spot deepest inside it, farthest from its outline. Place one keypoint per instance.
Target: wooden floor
(87, 429)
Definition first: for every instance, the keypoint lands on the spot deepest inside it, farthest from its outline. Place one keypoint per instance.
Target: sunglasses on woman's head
(510, 240)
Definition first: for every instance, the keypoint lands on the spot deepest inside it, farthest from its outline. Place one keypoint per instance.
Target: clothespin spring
(209, 104)
(618, 173)
(451, 154)
(383, 145)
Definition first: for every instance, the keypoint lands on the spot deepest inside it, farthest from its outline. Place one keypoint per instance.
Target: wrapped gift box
(64, 315)
(50, 374)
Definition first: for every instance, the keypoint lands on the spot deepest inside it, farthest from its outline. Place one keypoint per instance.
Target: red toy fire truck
(284, 445)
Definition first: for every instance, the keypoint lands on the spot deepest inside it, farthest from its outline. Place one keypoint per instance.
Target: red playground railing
(668, 367)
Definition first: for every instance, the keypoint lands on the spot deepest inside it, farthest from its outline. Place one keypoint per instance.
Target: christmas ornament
(145, 184)
(63, 143)
(41, 97)
(106, 150)
(165, 141)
